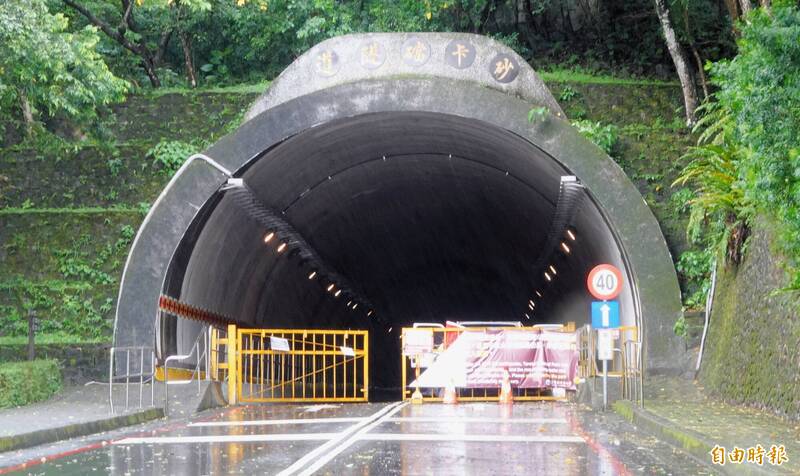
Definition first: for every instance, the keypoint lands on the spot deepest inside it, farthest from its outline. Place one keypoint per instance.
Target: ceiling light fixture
(269, 236)
(330, 287)
(312, 275)
(281, 247)
(547, 276)
(565, 248)
(553, 270)
(538, 294)
(338, 292)
(571, 235)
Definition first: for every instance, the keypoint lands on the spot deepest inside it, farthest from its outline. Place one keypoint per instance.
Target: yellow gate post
(233, 373)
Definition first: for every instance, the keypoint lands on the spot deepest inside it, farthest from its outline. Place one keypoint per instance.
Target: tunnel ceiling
(429, 216)
(423, 187)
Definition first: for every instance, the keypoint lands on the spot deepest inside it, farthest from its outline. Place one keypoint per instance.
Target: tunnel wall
(655, 293)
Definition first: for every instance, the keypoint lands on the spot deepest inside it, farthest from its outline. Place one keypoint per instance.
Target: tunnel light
(530, 305)
(565, 248)
(553, 270)
(349, 302)
(370, 312)
(281, 247)
(547, 276)
(355, 306)
(338, 292)
(330, 287)
(538, 294)
(571, 235)
(390, 330)
(269, 237)
(527, 316)
(312, 275)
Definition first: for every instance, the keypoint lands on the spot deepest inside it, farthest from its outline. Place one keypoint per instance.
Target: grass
(571, 76)
(555, 76)
(244, 88)
(76, 210)
(51, 339)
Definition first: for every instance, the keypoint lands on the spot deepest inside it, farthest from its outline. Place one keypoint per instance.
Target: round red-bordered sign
(604, 282)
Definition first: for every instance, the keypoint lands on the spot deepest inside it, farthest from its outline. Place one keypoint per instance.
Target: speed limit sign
(604, 282)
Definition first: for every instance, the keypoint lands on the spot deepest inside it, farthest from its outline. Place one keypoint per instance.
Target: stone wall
(80, 363)
(752, 351)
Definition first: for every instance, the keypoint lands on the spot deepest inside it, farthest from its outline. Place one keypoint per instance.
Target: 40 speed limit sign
(604, 282)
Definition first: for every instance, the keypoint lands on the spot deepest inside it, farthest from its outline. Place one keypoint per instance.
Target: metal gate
(301, 365)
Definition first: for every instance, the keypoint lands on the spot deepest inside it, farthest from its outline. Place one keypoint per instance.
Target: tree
(46, 70)
(133, 38)
(679, 59)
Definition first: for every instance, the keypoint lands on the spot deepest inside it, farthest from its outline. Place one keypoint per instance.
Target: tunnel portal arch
(405, 173)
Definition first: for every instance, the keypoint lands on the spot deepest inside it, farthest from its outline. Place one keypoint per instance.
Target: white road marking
(327, 457)
(312, 455)
(477, 438)
(316, 408)
(164, 440)
(297, 421)
(475, 420)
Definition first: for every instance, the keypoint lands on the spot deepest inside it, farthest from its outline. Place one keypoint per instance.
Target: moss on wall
(752, 353)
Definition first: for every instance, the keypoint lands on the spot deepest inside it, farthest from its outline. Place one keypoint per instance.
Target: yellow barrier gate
(296, 365)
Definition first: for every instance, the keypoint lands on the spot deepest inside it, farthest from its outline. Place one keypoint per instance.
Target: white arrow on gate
(604, 309)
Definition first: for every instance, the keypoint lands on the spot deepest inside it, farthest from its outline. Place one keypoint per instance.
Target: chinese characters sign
(478, 359)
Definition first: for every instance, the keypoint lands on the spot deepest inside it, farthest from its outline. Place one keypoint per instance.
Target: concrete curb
(690, 441)
(51, 435)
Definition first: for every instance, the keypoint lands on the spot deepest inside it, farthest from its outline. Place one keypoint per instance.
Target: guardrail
(143, 378)
(627, 364)
(203, 357)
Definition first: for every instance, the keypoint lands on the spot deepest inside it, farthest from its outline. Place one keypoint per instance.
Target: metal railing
(202, 362)
(139, 377)
(633, 376)
(627, 364)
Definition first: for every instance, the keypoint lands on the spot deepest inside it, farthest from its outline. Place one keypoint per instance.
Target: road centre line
(164, 440)
(297, 421)
(475, 420)
(475, 438)
(316, 452)
(327, 457)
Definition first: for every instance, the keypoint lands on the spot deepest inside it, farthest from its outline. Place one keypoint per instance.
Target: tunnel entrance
(372, 201)
(430, 217)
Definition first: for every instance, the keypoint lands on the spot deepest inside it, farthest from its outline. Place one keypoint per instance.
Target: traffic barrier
(450, 394)
(506, 394)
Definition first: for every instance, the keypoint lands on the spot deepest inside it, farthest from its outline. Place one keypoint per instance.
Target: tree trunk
(696, 54)
(150, 70)
(27, 113)
(746, 7)
(679, 59)
(187, 58)
(118, 34)
(766, 5)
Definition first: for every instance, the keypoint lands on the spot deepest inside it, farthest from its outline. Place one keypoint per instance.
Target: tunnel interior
(414, 217)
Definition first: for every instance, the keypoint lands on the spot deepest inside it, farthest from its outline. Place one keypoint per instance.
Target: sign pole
(605, 384)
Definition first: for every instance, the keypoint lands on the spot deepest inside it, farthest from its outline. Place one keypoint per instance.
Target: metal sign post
(605, 352)
(605, 283)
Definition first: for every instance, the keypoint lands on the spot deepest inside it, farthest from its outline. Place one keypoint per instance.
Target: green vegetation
(748, 155)
(604, 136)
(47, 71)
(22, 383)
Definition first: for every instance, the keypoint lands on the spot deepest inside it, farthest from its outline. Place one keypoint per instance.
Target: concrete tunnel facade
(403, 170)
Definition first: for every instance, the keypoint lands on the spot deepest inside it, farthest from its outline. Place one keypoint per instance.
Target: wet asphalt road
(370, 439)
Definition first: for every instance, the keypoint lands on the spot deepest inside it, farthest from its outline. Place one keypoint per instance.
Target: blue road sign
(605, 314)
